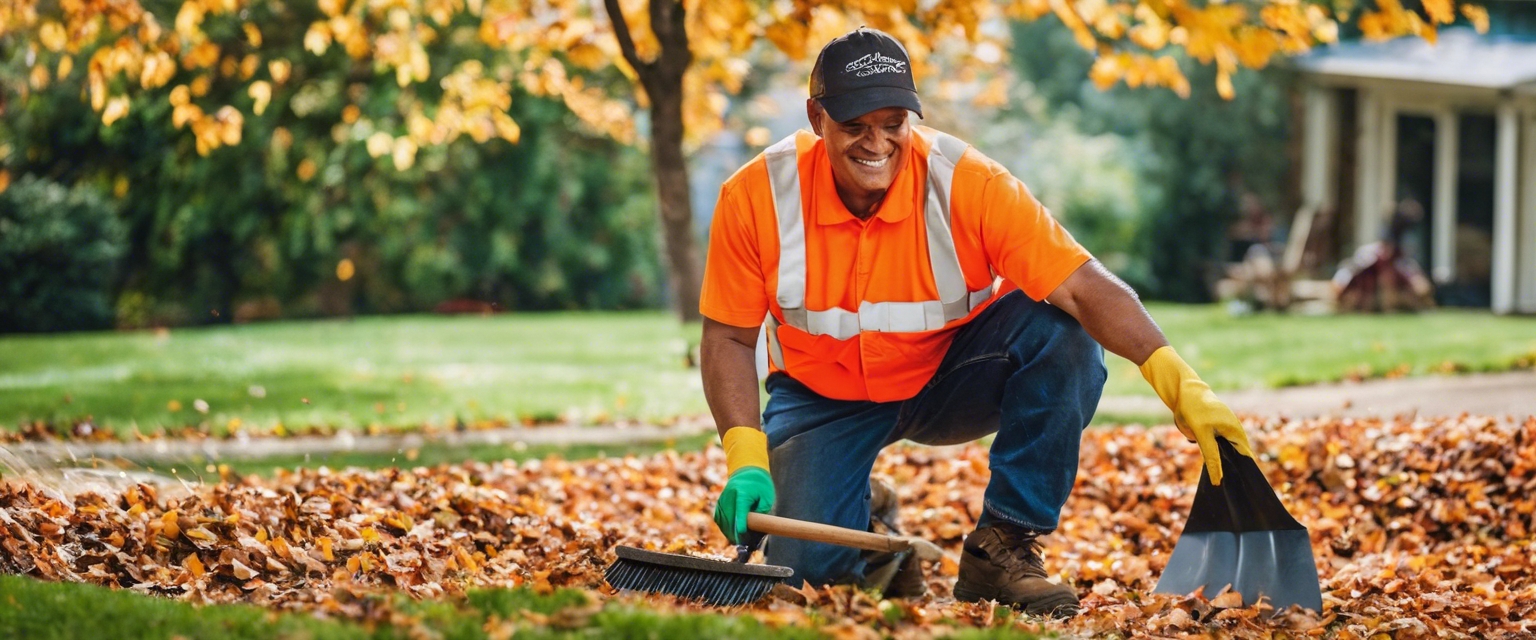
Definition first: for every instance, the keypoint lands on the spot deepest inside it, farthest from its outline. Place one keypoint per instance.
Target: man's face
(866, 152)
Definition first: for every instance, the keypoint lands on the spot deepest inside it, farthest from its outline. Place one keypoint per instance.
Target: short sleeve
(734, 292)
(1023, 241)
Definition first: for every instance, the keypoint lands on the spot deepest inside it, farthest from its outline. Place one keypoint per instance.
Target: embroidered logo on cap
(875, 63)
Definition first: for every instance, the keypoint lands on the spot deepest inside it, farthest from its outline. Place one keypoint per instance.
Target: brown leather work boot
(1002, 562)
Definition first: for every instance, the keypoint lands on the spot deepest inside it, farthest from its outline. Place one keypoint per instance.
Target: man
(912, 289)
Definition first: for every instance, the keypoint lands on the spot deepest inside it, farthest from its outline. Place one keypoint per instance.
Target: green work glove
(748, 487)
(748, 490)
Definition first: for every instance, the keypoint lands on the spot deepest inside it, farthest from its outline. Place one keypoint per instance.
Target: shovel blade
(1276, 565)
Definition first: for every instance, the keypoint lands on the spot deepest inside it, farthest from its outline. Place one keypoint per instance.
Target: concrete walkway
(212, 449)
(1512, 393)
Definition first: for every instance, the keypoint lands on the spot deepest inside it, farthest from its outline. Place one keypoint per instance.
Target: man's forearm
(1110, 312)
(728, 360)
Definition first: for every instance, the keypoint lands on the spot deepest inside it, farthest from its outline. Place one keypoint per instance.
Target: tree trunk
(663, 82)
(671, 170)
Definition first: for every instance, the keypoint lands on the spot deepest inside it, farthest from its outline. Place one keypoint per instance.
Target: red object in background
(461, 306)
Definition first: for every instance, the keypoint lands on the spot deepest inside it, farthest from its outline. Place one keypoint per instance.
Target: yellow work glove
(748, 488)
(1196, 411)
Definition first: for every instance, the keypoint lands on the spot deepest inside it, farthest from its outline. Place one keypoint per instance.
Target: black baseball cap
(861, 71)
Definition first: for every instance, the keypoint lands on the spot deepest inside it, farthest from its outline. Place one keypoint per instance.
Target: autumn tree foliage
(677, 61)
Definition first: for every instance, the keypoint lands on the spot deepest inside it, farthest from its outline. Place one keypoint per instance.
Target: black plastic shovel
(1239, 534)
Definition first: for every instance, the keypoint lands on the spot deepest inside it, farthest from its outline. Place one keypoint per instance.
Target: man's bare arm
(1110, 311)
(728, 357)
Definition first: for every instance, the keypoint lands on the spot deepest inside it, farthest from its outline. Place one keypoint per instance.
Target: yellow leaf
(66, 65)
(158, 69)
(789, 36)
(188, 20)
(253, 34)
(39, 78)
(344, 272)
(5, 180)
(194, 565)
(1477, 15)
(306, 170)
(98, 89)
(117, 109)
(261, 93)
(1106, 71)
(52, 35)
(380, 143)
(404, 154)
(202, 56)
(325, 548)
(1150, 36)
(279, 69)
(200, 86)
(1256, 46)
(1224, 85)
(318, 38)
(333, 7)
(230, 123)
(506, 127)
(180, 117)
(588, 56)
(168, 526)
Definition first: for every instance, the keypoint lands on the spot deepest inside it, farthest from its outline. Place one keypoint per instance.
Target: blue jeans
(1024, 370)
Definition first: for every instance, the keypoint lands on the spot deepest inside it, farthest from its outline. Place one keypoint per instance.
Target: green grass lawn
(38, 610)
(385, 370)
(590, 366)
(64, 611)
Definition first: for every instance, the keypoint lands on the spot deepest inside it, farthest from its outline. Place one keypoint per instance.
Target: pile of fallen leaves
(1420, 528)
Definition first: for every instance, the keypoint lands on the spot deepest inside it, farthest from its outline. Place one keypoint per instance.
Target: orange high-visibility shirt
(997, 225)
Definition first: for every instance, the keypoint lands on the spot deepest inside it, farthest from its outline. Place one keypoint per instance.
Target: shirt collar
(899, 202)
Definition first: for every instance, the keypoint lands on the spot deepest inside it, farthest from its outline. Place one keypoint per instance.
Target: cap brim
(857, 103)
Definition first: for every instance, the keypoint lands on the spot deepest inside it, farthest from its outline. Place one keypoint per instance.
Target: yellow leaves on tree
(1391, 20)
(1128, 38)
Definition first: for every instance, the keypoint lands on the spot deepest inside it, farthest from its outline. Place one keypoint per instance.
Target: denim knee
(1068, 348)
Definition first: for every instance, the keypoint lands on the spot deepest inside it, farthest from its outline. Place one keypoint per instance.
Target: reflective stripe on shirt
(954, 302)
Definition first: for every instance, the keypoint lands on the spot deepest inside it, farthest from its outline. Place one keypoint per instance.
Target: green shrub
(60, 249)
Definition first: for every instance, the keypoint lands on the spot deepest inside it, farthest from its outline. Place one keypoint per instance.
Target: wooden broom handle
(802, 530)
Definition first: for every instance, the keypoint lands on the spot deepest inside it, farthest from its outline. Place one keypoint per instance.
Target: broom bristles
(715, 582)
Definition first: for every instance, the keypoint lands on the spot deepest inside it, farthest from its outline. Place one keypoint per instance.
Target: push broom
(723, 583)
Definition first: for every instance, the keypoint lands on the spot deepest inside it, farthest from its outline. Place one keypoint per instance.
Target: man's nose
(878, 142)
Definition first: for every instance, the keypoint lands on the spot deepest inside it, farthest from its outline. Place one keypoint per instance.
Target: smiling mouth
(871, 163)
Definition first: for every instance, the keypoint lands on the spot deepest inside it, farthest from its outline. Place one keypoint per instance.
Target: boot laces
(1023, 548)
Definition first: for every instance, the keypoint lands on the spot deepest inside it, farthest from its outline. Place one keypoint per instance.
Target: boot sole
(1064, 607)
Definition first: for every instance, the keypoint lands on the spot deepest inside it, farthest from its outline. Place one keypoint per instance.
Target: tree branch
(626, 40)
(672, 30)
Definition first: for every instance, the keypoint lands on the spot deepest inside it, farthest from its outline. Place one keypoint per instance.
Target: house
(1451, 125)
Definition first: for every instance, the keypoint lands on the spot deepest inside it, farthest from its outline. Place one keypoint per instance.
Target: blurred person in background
(1383, 276)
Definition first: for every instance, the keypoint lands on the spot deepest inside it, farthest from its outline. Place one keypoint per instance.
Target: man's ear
(813, 112)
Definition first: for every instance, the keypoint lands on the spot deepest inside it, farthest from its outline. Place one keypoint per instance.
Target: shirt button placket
(861, 289)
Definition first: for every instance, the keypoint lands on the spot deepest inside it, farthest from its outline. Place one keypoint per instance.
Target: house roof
(1462, 57)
